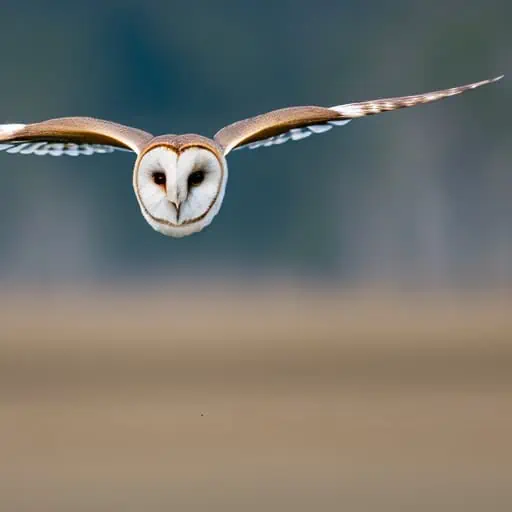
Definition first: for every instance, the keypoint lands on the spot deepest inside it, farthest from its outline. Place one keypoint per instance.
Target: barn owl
(180, 180)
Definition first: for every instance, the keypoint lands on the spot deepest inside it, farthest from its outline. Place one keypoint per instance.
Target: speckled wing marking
(71, 136)
(368, 108)
(296, 123)
(57, 148)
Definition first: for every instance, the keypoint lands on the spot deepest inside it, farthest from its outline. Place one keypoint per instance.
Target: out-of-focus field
(254, 400)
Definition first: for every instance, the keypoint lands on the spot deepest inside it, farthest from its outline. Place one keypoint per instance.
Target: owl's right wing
(71, 136)
(296, 123)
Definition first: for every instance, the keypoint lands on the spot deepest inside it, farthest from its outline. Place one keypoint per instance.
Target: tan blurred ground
(255, 400)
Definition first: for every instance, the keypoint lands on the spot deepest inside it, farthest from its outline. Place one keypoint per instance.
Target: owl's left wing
(71, 136)
(295, 123)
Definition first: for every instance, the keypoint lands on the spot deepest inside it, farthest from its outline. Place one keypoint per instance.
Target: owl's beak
(177, 205)
(173, 197)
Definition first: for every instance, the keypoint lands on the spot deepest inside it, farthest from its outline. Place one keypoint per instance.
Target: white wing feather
(295, 134)
(57, 148)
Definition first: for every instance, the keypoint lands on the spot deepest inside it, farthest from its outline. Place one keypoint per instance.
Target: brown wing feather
(279, 125)
(271, 124)
(77, 130)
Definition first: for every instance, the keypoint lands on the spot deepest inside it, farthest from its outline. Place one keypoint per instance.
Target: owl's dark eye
(196, 178)
(159, 177)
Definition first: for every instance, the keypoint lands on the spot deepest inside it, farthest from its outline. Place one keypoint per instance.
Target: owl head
(180, 184)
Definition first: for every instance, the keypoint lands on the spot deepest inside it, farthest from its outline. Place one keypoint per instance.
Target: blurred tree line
(422, 195)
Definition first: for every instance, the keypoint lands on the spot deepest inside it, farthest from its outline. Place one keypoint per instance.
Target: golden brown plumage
(170, 200)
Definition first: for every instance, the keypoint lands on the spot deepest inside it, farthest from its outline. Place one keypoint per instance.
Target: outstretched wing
(71, 136)
(296, 123)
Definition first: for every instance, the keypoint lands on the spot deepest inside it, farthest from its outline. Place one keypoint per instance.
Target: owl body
(180, 180)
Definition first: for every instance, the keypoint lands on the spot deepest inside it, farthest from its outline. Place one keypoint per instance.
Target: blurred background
(349, 346)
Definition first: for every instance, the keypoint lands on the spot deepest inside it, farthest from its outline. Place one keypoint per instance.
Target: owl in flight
(180, 180)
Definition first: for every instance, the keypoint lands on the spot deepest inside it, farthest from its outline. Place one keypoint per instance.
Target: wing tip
(487, 82)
